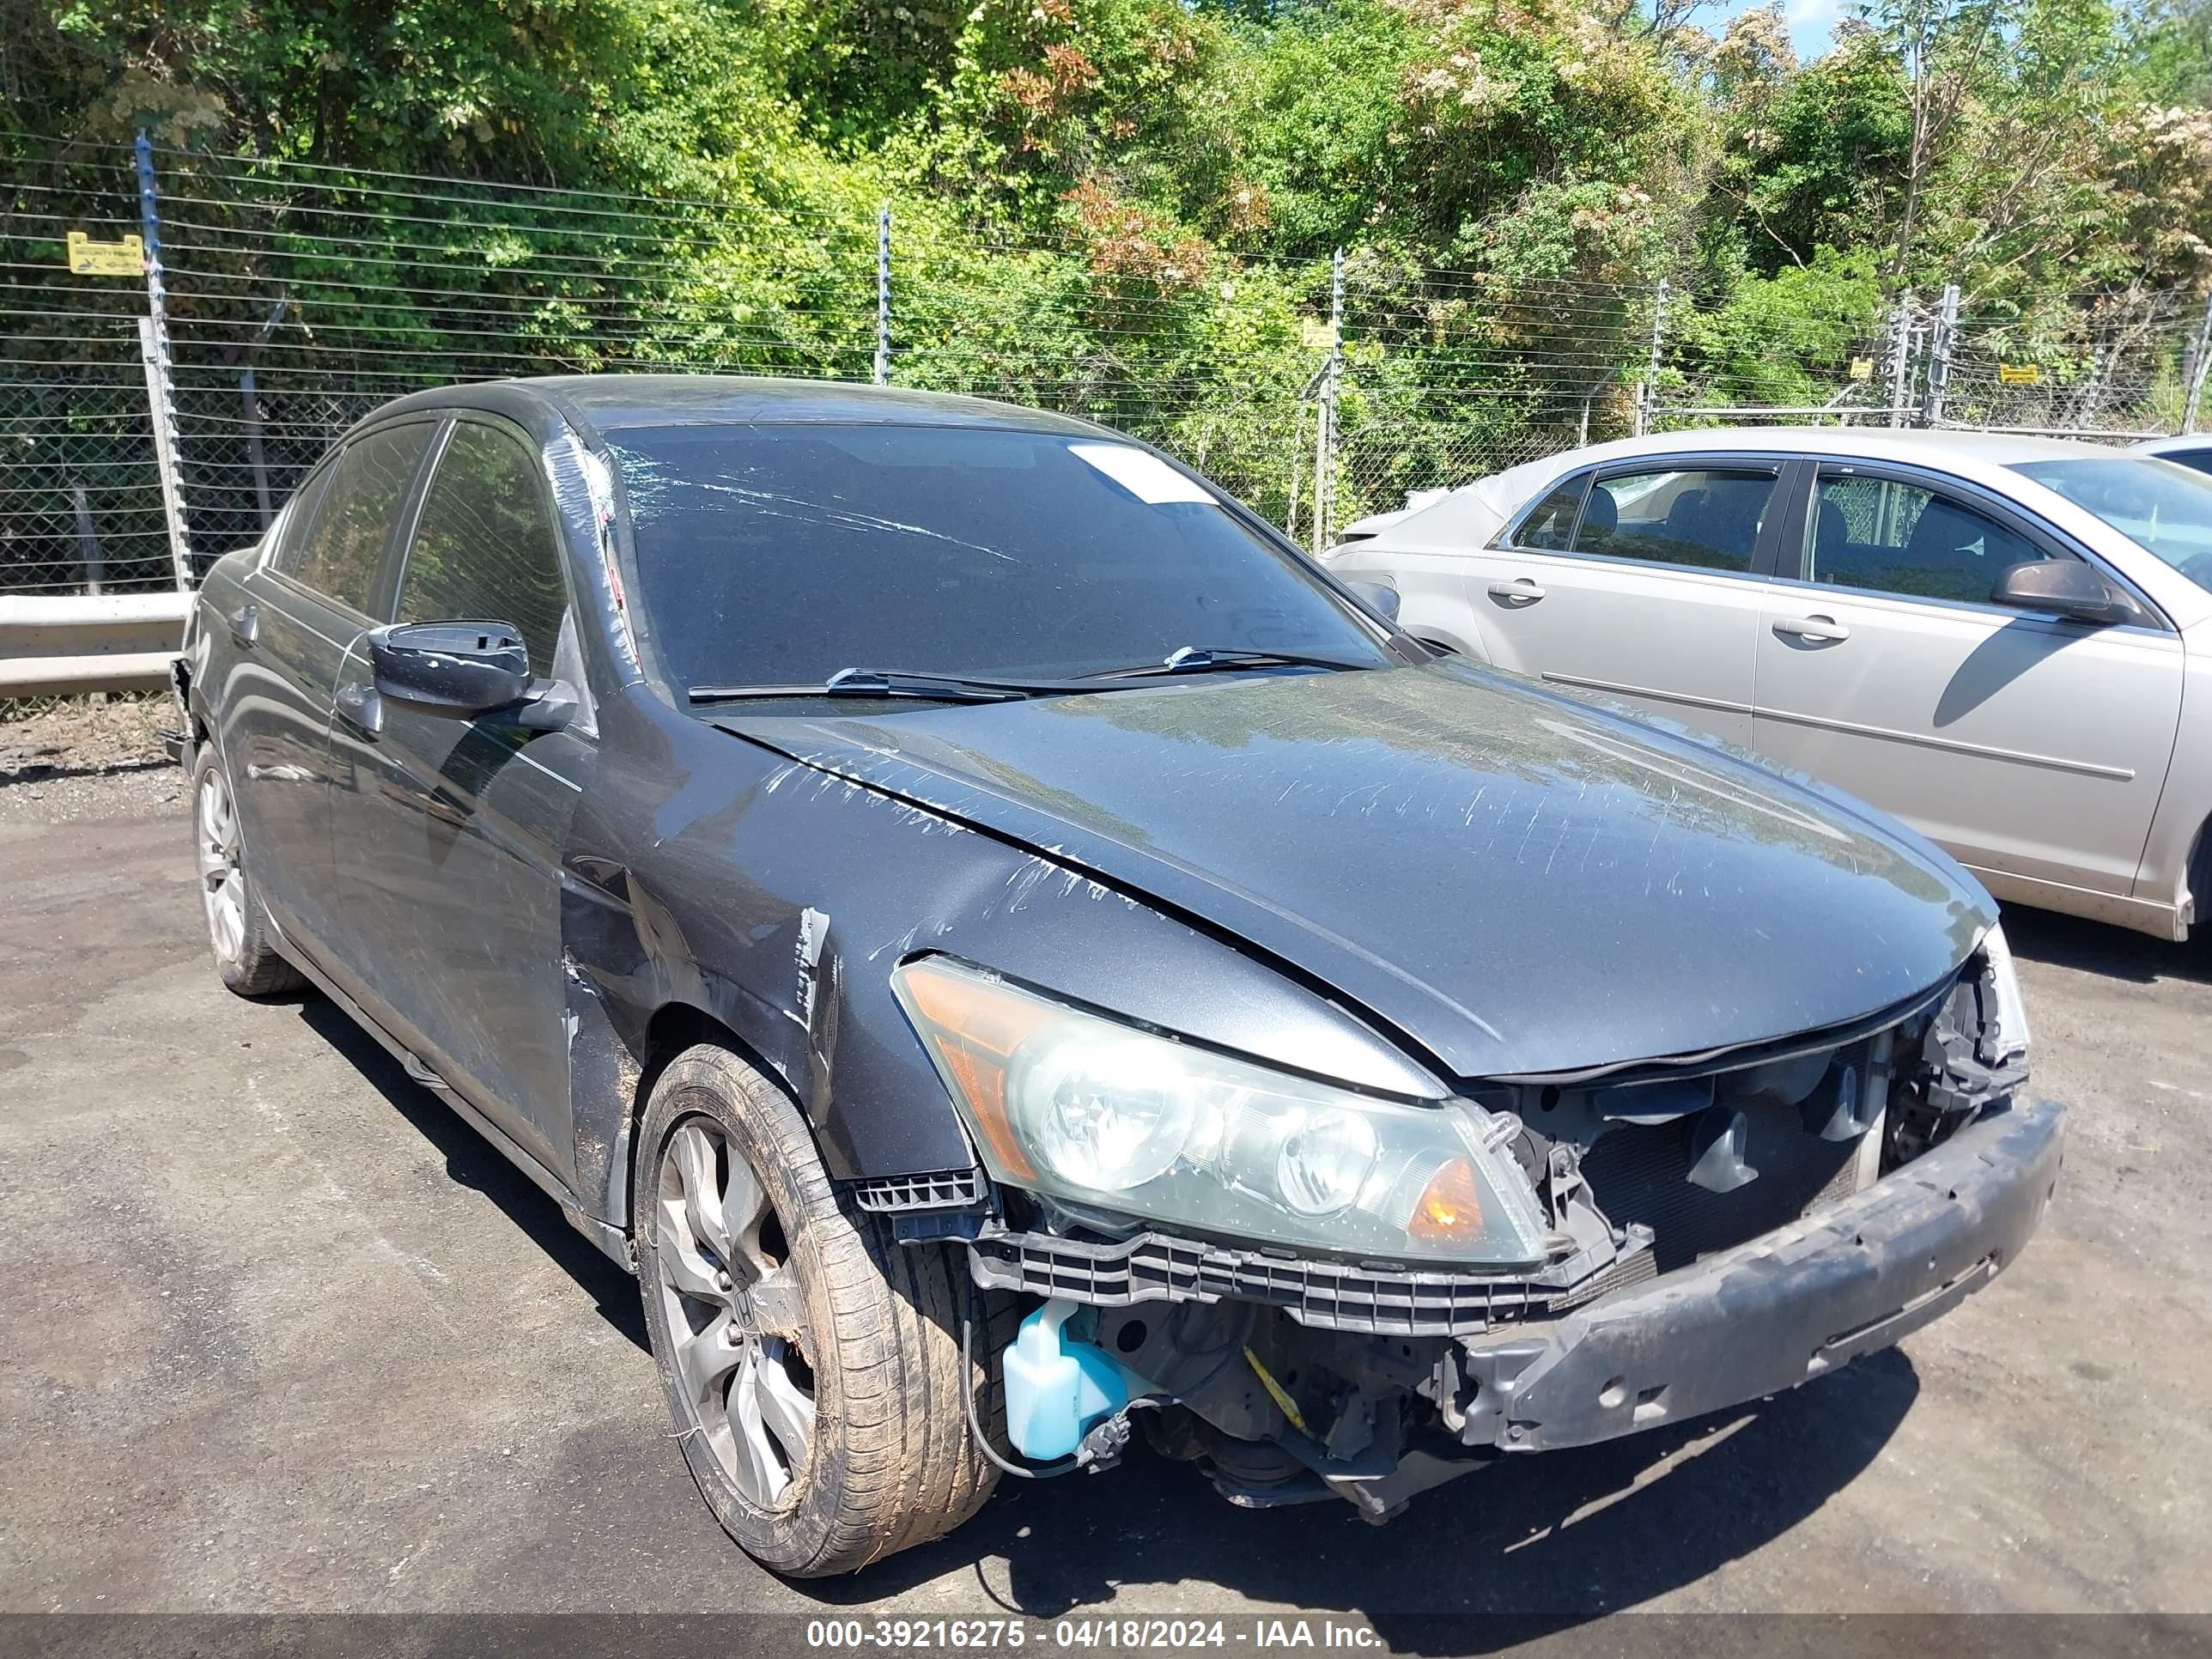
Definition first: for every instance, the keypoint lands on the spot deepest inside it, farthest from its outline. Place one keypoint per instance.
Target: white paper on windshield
(1147, 477)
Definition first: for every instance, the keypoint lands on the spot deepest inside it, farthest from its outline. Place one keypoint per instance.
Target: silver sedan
(2006, 641)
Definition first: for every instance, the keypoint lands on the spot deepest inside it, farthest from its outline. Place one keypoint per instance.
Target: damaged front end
(1313, 1293)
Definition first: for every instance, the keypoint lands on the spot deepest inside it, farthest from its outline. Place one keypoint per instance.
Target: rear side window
(296, 519)
(486, 548)
(2196, 461)
(1551, 527)
(1890, 536)
(341, 550)
(1705, 517)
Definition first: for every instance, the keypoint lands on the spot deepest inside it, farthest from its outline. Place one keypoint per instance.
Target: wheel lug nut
(722, 1280)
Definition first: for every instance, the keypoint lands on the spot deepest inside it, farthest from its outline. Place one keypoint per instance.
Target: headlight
(2004, 1027)
(1092, 1112)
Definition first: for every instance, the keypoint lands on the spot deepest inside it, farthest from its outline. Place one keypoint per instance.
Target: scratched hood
(1516, 881)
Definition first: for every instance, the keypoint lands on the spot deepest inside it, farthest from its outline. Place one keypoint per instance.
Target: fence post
(882, 376)
(249, 399)
(2200, 358)
(1939, 357)
(154, 355)
(87, 541)
(1900, 359)
(1647, 395)
(1325, 414)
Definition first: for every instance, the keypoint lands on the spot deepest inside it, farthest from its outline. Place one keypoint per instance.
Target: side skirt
(2139, 916)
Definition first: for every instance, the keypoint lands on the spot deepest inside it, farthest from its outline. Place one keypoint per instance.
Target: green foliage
(1822, 315)
(1098, 197)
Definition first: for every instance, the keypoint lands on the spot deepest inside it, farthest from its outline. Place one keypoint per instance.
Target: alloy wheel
(737, 1322)
(222, 877)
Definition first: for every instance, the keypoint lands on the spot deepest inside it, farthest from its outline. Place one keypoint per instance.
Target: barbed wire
(303, 295)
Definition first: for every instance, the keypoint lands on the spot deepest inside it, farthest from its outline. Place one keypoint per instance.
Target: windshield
(2164, 508)
(781, 555)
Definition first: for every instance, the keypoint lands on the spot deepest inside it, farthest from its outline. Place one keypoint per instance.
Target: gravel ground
(285, 1336)
(74, 736)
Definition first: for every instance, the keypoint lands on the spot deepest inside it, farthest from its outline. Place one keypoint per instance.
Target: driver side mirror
(2075, 590)
(1379, 597)
(460, 670)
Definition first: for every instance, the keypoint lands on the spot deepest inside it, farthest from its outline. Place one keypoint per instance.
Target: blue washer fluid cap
(1057, 1387)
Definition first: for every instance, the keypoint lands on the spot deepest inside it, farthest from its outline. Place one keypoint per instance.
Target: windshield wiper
(982, 688)
(887, 682)
(1200, 659)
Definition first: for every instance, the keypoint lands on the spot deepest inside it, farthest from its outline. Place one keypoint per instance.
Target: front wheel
(811, 1365)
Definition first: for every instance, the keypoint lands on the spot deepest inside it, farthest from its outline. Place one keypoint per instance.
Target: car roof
(613, 403)
(2185, 443)
(1884, 443)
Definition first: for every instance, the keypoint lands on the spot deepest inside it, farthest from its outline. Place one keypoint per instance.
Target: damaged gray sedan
(1014, 959)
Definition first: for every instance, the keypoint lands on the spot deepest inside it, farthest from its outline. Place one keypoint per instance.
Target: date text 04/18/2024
(939, 1634)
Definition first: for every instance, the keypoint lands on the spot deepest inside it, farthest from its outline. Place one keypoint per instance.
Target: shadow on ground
(2097, 947)
(471, 1162)
(1540, 1543)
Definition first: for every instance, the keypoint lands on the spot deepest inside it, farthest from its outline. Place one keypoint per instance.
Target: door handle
(360, 707)
(1815, 631)
(1522, 590)
(245, 625)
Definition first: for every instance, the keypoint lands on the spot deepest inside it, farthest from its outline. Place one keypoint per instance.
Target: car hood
(1516, 881)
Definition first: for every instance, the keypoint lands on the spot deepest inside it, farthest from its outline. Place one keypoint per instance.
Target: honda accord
(1013, 958)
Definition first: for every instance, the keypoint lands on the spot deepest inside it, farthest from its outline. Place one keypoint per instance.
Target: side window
(340, 551)
(1890, 536)
(486, 548)
(1549, 528)
(294, 518)
(1705, 517)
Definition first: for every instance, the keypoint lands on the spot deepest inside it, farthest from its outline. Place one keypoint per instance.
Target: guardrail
(61, 645)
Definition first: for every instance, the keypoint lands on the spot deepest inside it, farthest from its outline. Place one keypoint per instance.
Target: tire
(843, 1345)
(239, 935)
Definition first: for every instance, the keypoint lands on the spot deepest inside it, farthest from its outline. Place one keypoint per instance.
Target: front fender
(776, 898)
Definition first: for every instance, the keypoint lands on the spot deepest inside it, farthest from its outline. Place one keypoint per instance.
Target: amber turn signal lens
(1448, 1208)
(977, 1028)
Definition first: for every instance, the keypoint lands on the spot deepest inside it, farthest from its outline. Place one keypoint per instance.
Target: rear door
(2025, 745)
(1640, 580)
(302, 610)
(447, 833)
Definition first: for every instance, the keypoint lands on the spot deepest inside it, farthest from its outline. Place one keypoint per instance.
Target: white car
(2006, 641)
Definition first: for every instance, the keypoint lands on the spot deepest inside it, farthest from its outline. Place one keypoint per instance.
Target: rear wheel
(811, 1365)
(239, 934)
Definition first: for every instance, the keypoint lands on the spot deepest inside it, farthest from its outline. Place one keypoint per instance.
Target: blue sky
(1810, 20)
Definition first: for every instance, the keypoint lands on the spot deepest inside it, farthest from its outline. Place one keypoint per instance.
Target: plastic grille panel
(1327, 1295)
(938, 1189)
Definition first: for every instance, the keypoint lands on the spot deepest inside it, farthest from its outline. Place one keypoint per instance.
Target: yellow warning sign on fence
(1861, 368)
(89, 258)
(1316, 335)
(2018, 373)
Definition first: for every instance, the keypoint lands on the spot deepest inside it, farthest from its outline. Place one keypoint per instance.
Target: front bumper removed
(1787, 1307)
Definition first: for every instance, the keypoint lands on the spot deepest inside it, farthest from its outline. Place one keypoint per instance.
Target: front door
(1638, 581)
(447, 834)
(300, 613)
(2025, 745)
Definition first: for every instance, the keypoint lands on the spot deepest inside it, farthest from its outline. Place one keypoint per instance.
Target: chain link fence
(81, 506)
(294, 299)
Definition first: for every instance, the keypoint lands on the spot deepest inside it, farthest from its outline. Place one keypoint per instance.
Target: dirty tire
(888, 1461)
(239, 937)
